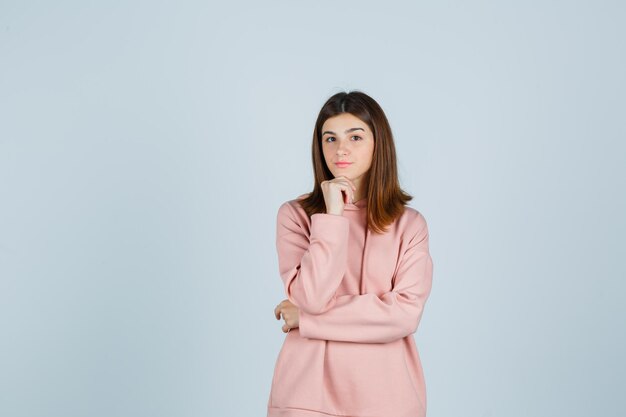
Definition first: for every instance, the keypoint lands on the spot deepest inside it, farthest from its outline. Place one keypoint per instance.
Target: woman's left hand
(290, 313)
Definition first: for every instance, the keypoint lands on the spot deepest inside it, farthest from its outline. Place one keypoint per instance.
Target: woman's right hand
(337, 192)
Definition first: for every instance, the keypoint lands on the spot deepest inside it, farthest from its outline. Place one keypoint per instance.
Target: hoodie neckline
(362, 203)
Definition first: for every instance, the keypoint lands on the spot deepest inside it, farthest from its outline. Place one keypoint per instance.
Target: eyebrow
(347, 131)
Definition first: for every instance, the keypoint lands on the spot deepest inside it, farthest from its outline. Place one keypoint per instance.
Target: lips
(343, 164)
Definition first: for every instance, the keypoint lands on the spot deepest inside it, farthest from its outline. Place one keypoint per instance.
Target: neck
(361, 187)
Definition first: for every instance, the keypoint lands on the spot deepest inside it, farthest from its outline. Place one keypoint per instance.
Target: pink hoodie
(361, 296)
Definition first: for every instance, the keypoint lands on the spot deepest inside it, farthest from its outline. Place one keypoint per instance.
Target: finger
(277, 312)
(351, 184)
(350, 192)
(345, 189)
(346, 192)
(349, 181)
(349, 188)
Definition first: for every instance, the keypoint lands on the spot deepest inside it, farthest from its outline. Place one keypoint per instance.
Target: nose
(342, 149)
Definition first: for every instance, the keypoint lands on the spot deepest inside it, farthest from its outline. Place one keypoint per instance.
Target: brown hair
(385, 198)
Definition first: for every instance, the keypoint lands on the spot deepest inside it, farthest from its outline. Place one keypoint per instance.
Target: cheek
(368, 154)
(327, 156)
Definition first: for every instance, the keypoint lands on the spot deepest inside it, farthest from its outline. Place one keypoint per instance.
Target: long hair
(385, 199)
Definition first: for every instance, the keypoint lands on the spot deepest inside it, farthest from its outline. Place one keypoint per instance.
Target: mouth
(343, 164)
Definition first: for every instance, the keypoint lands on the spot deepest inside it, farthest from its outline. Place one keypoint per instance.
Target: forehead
(342, 122)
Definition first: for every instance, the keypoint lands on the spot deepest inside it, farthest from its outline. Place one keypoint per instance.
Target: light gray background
(145, 148)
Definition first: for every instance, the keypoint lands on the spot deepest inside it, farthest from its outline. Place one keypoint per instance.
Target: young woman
(357, 272)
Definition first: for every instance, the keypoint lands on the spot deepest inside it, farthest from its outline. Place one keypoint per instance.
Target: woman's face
(346, 138)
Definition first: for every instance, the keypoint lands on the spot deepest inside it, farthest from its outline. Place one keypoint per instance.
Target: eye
(357, 137)
(328, 138)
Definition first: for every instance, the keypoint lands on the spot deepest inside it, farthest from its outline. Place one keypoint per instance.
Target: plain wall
(145, 148)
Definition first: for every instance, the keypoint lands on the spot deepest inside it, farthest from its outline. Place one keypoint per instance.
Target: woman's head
(347, 139)
(371, 149)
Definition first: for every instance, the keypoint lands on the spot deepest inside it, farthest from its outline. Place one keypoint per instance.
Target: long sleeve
(368, 318)
(313, 266)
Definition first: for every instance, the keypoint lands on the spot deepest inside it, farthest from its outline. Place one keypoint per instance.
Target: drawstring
(362, 284)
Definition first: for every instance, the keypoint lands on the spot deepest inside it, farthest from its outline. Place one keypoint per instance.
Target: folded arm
(313, 266)
(369, 318)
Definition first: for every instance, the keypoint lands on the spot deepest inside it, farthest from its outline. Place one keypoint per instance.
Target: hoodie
(360, 297)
